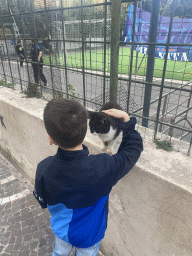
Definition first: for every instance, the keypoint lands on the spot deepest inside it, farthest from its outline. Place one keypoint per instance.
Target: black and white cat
(105, 126)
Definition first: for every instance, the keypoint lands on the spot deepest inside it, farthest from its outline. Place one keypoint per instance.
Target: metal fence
(85, 57)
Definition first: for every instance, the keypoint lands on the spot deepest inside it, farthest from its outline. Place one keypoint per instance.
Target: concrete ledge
(150, 208)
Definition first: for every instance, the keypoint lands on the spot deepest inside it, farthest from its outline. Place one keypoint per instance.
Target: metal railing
(79, 39)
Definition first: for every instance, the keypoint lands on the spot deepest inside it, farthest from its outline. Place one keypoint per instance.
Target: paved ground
(24, 227)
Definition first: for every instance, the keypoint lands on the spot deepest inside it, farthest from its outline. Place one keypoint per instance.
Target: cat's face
(99, 122)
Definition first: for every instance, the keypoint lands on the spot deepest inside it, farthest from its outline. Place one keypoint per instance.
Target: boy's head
(18, 41)
(65, 122)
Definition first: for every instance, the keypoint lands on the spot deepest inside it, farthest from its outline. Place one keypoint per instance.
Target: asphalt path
(93, 90)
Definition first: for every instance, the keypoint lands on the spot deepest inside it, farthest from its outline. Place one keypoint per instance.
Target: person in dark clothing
(20, 52)
(36, 56)
(75, 185)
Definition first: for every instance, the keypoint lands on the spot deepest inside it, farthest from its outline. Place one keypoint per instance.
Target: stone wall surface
(150, 208)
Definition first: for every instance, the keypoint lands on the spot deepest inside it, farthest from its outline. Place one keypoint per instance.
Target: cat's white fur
(107, 137)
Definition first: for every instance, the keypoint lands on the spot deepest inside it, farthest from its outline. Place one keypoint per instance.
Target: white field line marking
(184, 69)
(14, 197)
(8, 179)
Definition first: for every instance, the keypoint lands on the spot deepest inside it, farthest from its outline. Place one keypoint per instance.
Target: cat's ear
(90, 114)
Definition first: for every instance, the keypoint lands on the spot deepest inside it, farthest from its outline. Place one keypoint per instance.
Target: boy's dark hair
(18, 41)
(66, 122)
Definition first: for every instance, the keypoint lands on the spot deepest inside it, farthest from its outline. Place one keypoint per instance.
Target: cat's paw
(108, 151)
(103, 148)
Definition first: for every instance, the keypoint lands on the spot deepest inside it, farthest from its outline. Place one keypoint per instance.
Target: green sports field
(175, 69)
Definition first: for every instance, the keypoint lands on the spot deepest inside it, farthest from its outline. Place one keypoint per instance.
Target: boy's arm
(117, 113)
(129, 151)
(39, 192)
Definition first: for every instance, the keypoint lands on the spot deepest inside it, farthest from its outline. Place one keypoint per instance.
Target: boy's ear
(90, 114)
(51, 141)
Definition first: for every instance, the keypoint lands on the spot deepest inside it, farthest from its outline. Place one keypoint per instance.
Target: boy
(74, 185)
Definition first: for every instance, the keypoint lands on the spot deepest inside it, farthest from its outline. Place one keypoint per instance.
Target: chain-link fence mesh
(75, 38)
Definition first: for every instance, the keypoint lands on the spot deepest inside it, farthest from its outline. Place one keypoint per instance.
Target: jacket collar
(63, 154)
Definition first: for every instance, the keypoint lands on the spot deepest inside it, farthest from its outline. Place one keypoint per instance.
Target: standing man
(20, 52)
(36, 56)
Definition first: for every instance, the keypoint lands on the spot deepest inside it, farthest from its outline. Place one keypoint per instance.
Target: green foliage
(59, 94)
(71, 92)
(42, 20)
(123, 18)
(9, 85)
(183, 8)
(32, 91)
(163, 144)
(96, 12)
(2, 82)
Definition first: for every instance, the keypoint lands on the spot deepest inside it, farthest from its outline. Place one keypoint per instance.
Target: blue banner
(181, 33)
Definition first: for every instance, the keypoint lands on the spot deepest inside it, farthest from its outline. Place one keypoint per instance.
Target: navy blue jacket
(75, 187)
(35, 49)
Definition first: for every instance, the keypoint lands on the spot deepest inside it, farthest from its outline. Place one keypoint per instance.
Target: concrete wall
(150, 208)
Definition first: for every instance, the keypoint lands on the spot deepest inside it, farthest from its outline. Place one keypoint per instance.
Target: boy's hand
(117, 113)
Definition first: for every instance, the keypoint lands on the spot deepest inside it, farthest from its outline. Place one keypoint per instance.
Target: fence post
(163, 112)
(83, 48)
(172, 121)
(115, 37)
(105, 46)
(164, 68)
(151, 59)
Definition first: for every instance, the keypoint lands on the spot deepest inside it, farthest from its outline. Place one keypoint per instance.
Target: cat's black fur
(101, 123)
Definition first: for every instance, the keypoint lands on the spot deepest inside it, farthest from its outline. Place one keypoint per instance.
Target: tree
(183, 8)
(124, 11)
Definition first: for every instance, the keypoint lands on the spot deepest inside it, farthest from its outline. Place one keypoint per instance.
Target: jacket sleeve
(128, 153)
(40, 192)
